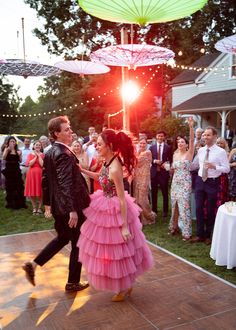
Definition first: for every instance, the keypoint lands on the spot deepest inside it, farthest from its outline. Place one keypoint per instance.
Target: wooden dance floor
(173, 295)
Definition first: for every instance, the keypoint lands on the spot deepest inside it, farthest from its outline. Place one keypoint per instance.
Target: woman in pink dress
(33, 183)
(112, 246)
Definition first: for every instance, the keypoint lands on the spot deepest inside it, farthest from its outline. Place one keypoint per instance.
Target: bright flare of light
(130, 91)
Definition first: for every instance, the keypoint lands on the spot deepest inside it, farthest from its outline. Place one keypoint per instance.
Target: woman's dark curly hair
(121, 144)
(8, 141)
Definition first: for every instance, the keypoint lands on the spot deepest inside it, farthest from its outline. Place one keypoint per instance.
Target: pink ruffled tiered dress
(110, 262)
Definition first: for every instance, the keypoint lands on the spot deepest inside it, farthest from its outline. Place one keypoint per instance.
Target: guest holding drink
(181, 186)
(212, 161)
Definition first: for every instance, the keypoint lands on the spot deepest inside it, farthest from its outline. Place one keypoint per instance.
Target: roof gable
(210, 101)
(189, 76)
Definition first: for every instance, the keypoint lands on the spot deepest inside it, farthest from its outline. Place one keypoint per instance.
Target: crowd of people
(122, 179)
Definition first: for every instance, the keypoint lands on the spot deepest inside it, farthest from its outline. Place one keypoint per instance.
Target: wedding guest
(181, 186)
(141, 182)
(13, 178)
(2, 163)
(229, 136)
(83, 158)
(198, 135)
(194, 174)
(112, 246)
(161, 153)
(33, 183)
(44, 141)
(96, 166)
(25, 151)
(232, 175)
(91, 130)
(223, 189)
(212, 161)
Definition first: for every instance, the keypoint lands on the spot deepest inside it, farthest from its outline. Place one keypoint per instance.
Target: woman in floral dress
(181, 187)
(142, 182)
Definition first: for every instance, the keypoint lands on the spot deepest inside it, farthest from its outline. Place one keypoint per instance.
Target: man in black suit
(161, 153)
(229, 136)
(65, 195)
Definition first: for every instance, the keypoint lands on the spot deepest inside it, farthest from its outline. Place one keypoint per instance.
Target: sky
(11, 47)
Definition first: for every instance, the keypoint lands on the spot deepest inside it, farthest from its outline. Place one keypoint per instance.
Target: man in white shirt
(26, 150)
(212, 161)
(91, 131)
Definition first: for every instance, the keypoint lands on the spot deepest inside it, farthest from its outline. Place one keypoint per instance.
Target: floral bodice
(181, 165)
(108, 186)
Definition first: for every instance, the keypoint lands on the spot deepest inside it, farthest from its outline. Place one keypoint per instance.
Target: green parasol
(141, 11)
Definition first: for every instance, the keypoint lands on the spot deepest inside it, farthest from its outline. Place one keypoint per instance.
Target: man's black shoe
(73, 287)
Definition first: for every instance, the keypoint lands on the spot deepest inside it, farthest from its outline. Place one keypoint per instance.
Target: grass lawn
(22, 221)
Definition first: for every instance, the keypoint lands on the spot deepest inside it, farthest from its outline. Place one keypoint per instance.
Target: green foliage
(66, 27)
(171, 125)
(198, 254)
(8, 105)
(20, 221)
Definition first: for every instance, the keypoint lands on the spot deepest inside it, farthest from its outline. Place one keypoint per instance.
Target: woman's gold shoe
(121, 295)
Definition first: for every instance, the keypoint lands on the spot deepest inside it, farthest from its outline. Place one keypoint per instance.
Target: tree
(9, 102)
(67, 26)
(171, 125)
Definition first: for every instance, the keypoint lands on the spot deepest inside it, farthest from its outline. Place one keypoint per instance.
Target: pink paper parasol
(132, 55)
(17, 67)
(82, 67)
(227, 45)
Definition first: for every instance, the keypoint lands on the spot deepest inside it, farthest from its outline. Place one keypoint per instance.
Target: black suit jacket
(166, 156)
(64, 187)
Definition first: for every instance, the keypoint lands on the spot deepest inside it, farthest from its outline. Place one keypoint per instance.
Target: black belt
(211, 179)
(24, 166)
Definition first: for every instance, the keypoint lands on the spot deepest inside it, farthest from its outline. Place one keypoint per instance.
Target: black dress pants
(161, 178)
(206, 191)
(65, 234)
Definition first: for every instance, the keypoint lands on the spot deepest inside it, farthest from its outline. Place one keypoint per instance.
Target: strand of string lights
(221, 71)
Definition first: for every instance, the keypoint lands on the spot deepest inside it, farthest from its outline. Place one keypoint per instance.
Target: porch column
(223, 122)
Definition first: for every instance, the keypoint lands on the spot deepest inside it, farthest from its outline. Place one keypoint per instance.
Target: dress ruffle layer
(110, 262)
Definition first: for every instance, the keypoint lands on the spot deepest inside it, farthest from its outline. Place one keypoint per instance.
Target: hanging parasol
(227, 45)
(25, 68)
(132, 55)
(18, 67)
(82, 67)
(141, 11)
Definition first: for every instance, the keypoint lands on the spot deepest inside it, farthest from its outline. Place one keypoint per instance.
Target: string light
(222, 71)
(59, 110)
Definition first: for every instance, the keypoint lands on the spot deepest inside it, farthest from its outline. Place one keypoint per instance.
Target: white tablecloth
(223, 247)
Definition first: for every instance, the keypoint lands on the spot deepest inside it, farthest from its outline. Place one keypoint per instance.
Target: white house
(207, 90)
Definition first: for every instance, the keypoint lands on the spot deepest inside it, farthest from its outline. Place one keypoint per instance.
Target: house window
(233, 67)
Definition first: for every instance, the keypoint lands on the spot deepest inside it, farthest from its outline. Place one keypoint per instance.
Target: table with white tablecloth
(223, 247)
